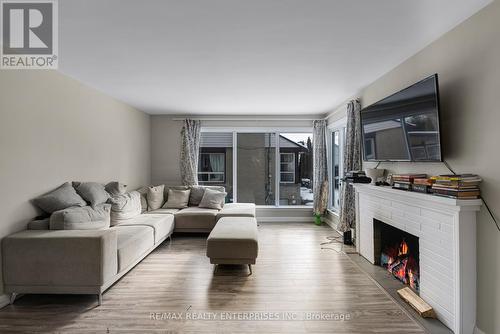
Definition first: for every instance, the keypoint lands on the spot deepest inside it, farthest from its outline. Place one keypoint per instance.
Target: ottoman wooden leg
(250, 268)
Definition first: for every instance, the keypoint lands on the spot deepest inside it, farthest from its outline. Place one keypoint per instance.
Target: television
(404, 126)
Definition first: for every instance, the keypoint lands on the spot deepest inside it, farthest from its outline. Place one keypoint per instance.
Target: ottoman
(233, 241)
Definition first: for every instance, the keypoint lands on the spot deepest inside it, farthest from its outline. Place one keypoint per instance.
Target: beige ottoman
(233, 241)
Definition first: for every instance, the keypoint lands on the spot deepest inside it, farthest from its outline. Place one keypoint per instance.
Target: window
(211, 167)
(215, 163)
(295, 166)
(287, 167)
(266, 168)
(336, 164)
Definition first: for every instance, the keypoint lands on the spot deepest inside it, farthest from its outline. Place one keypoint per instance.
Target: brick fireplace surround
(446, 229)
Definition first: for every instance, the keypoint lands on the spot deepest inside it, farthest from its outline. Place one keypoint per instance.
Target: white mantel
(446, 229)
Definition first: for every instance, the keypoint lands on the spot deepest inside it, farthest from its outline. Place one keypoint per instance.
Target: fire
(403, 248)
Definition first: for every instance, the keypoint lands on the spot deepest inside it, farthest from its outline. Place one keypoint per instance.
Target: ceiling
(254, 57)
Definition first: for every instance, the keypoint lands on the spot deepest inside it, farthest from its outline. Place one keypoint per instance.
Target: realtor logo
(29, 38)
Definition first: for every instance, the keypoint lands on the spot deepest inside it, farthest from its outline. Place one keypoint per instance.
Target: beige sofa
(90, 261)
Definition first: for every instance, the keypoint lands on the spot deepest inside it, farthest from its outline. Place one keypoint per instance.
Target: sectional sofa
(89, 261)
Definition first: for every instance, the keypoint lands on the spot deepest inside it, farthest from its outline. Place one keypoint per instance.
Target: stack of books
(423, 185)
(463, 186)
(405, 181)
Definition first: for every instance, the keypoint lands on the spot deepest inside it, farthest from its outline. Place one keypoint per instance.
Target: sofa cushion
(133, 242)
(81, 218)
(155, 197)
(162, 224)
(233, 240)
(115, 188)
(237, 210)
(213, 199)
(125, 206)
(177, 199)
(197, 193)
(39, 224)
(93, 192)
(163, 211)
(199, 219)
(59, 199)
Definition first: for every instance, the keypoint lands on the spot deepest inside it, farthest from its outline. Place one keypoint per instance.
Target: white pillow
(155, 197)
(125, 206)
(213, 199)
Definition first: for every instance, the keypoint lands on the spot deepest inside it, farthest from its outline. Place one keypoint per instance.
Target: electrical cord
(482, 199)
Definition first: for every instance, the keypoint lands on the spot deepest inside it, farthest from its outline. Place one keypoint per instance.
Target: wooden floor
(293, 278)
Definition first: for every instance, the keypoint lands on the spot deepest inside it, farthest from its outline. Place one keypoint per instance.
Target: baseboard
(285, 220)
(478, 331)
(4, 300)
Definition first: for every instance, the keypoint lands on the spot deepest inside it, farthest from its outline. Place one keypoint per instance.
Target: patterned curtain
(190, 149)
(352, 161)
(320, 170)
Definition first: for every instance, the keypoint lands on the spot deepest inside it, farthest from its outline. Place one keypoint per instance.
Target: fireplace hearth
(398, 252)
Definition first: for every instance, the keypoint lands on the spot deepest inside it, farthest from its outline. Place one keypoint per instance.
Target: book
(457, 177)
(423, 181)
(408, 177)
(421, 188)
(402, 185)
(457, 193)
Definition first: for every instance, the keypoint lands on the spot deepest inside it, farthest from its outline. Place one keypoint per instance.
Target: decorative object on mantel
(323, 204)
(417, 303)
(460, 186)
(356, 176)
(375, 174)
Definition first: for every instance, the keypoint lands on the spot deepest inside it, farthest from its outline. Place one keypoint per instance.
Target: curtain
(320, 170)
(352, 161)
(190, 149)
(217, 162)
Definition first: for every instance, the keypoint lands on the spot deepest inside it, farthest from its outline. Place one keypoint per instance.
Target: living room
(240, 166)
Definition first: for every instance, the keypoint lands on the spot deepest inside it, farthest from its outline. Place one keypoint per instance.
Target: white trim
(257, 119)
(278, 165)
(277, 168)
(4, 301)
(478, 331)
(285, 219)
(235, 167)
(338, 123)
(283, 207)
(261, 129)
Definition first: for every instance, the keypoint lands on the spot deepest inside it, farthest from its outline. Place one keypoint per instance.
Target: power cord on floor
(482, 199)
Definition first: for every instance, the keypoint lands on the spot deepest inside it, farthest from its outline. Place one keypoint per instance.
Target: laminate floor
(296, 287)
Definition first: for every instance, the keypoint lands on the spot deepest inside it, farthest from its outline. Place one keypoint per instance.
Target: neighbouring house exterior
(256, 174)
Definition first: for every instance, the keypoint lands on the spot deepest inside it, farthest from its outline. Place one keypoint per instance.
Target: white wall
(467, 60)
(54, 129)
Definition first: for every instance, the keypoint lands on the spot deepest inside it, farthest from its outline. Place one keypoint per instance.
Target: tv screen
(404, 126)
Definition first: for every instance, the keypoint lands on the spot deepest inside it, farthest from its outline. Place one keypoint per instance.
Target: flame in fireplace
(403, 248)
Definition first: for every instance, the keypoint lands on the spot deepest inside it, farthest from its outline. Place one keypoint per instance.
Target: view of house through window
(259, 167)
(296, 169)
(215, 163)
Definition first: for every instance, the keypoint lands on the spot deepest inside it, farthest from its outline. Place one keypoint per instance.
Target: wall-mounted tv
(404, 126)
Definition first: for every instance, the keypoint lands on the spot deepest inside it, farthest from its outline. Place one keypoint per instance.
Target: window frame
(277, 131)
(340, 126)
(288, 163)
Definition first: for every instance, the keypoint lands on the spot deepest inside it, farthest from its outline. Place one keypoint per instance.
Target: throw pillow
(155, 197)
(39, 224)
(212, 199)
(125, 206)
(59, 199)
(92, 192)
(144, 200)
(115, 188)
(177, 199)
(81, 218)
(196, 195)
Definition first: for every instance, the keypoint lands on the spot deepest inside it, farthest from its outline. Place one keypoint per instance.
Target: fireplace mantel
(446, 229)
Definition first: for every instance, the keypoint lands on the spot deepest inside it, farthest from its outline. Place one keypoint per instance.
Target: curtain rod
(242, 119)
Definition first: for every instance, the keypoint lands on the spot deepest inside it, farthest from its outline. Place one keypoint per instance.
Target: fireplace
(398, 252)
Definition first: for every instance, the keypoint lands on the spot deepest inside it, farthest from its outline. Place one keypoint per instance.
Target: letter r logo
(27, 27)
